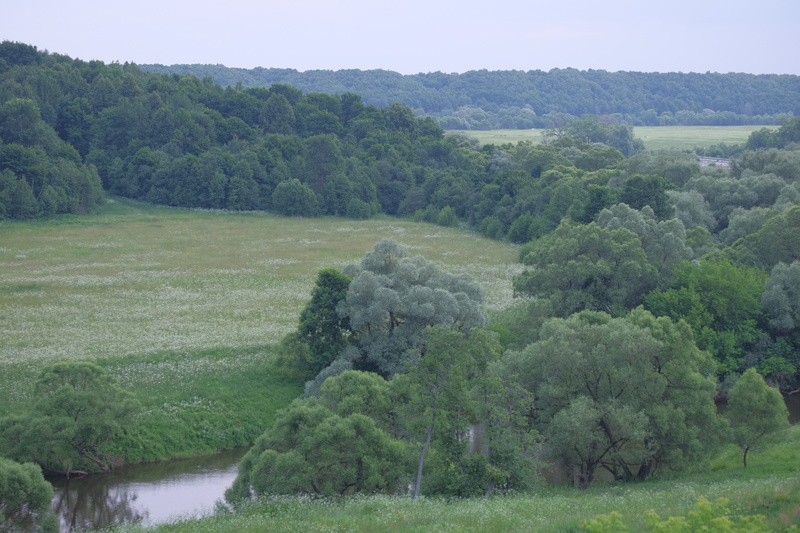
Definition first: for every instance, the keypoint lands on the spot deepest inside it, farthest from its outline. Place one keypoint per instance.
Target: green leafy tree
(440, 408)
(277, 116)
(580, 267)
(17, 201)
(392, 298)
(776, 242)
(590, 129)
(358, 209)
(639, 191)
(293, 198)
(692, 209)
(628, 395)
(743, 222)
(781, 297)
(755, 411)
(21, 123)
(323, 159)
(25, 498)
(722, 303)
(327, 446)
(599, 198)
(79, 411)
(664, 242)
(321, 328)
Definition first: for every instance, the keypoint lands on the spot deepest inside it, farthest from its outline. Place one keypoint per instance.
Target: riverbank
(200, 402)
(769, 486)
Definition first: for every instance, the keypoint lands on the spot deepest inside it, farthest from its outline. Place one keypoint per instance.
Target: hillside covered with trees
(536, 99)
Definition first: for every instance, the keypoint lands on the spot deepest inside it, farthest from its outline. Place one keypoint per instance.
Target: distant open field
(654, 137)
(184, 306)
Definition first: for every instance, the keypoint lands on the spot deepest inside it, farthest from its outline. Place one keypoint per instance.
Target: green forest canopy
(517, 99)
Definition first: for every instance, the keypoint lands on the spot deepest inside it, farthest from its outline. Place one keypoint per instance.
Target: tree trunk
(421, 462)
(103, 465)
(644, 470)
(489, 489)
(744, 457)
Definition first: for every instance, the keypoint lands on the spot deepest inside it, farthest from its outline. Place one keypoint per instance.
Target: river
(156, 493)
(148, 494)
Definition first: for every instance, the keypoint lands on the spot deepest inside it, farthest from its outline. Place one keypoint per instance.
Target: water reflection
(148, 494)
(86, 504)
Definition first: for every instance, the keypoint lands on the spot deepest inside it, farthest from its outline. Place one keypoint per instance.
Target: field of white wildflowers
(175, 280)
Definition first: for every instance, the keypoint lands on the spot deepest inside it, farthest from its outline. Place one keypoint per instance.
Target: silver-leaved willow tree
(390, 301)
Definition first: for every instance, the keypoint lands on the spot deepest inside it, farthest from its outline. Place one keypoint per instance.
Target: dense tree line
(536, 99)
(417, 395)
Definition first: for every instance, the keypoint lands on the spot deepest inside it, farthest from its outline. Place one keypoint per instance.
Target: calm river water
(161, 492)
(148, 494)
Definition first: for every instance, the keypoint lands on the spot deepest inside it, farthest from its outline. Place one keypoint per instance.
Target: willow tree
(79, 412)
(663, 241)
(390, 301)
(628, 395)
(336, 444)
(25, 498)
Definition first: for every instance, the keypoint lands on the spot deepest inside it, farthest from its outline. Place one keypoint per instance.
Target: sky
(758, 37)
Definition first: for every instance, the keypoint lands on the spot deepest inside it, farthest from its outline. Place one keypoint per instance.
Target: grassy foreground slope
(183, 307)
(653, 137)
(770, 486)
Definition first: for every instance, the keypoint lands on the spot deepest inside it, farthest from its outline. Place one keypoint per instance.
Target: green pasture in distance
(686, 137)
(654, 137)
(498, 137)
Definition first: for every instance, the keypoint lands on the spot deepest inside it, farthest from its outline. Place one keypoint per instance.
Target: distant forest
(536, 99)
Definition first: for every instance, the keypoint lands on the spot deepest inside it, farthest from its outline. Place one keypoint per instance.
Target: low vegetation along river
(162, 492)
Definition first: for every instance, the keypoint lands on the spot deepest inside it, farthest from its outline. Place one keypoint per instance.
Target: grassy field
(654, 137)
(770, 486)
(183, 307)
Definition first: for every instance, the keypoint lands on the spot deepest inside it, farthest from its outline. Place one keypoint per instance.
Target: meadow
(184, 307)
(653, 137)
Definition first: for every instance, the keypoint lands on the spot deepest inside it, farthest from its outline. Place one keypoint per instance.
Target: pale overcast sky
(420, 35)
